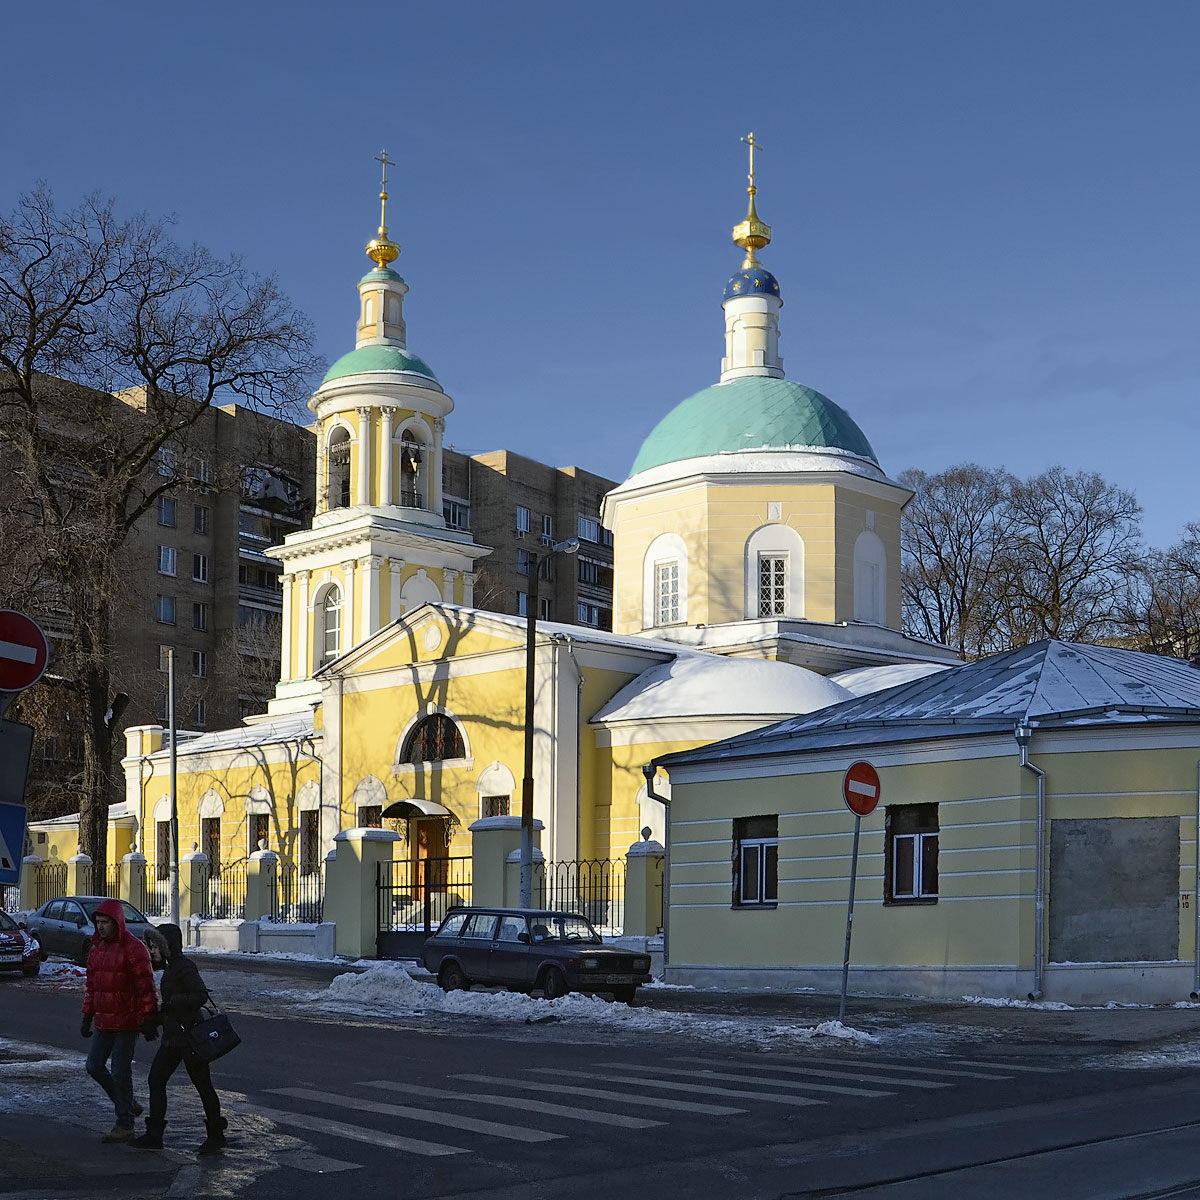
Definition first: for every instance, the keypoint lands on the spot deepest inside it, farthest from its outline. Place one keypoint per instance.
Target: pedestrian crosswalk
(468, 1112)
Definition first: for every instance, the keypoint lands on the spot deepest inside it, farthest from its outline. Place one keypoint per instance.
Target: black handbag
(213, 1035)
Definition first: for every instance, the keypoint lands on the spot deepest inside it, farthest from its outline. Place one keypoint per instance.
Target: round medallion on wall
(432, 638)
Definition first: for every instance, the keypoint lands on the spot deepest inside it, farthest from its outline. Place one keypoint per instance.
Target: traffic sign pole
(860, 790)
(849, 920)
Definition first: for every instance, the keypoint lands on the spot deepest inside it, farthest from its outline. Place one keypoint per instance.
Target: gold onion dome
(381, 248)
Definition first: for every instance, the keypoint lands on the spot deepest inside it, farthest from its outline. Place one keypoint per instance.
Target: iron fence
(594, 887)
(224, 894)
(301, 896)
(155, 896)
(50, 880)
(412, 897)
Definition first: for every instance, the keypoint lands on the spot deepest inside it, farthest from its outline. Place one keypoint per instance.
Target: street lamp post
(570, 546)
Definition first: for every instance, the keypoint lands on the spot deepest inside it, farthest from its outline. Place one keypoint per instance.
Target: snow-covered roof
(694, 684)
(866, 681)
(282, 729)
(1046, 683)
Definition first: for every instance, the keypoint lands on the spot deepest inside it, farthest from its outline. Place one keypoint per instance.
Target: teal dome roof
(377, 358)
(755, 412)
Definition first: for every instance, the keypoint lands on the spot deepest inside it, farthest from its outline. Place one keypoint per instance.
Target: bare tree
(1160, 609)
(114, 340)
(1076, 539)
(955, 535)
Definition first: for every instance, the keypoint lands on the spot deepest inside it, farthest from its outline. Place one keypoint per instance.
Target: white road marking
(356, 1133)
(694, 1088)
(562, 1089)
(880, 1066)
(514, 1133)
(1009, 1066)
(558, 1110)
(849, 1073)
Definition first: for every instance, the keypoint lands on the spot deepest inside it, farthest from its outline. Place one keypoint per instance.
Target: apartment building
(521, 508)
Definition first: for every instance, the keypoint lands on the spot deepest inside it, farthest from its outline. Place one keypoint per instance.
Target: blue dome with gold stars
(752, 281)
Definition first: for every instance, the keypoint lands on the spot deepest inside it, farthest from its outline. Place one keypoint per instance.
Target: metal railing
(594, 887)
(412, 897)
(301, 896)
(11, 898)
(224, 894)
(50, 880)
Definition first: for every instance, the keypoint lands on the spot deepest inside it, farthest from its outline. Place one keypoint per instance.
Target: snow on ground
(1005, 1002)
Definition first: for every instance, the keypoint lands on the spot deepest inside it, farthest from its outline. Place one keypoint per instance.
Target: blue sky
(985, 214)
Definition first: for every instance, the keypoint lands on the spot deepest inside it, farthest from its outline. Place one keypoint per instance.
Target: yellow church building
(757, 556)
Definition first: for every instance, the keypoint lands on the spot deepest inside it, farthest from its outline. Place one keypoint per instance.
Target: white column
(322, 504)
(397, 566)
(287, 654)
(304, 665)
(364, 456)
(448, 578)
(370, 594)
(348, 606)
(385, 462)
(468, 588)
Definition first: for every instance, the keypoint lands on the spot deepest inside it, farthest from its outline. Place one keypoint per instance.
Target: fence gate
(412, 897)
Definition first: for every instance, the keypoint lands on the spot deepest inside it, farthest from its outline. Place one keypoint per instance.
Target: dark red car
(18, 951)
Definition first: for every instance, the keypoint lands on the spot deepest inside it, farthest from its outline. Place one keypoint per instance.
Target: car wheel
(84, 951)
(554, 984)
(452, 979)
(624, 995)
(33, 968)
(43, 953)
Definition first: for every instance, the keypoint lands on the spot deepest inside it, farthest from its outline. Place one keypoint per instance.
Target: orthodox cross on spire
(381, 248)
(752, 234)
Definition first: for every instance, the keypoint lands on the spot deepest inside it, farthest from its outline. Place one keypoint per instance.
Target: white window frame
(168, 560)
(200, 664)
(756, 855)
(667, 606)
(200, 568)
(201, 516)
(165, 507)
(200, 616)
(522, 520)
(164, 604)
(773, 590)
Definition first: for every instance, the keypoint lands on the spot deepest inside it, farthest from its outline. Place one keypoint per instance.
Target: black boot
(152, 1138)
(215, 1141)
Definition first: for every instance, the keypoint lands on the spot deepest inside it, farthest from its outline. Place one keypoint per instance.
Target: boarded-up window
(1114, 890)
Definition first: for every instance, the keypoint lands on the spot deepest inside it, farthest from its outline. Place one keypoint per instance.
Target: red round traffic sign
(23, 651)
(860, 788)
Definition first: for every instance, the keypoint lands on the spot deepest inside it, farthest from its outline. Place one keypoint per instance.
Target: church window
(666, 593)
(162, 850)
(331, 625)
(772, 585)
(434, 739)
(870, 579)
(210, 843)
(338, 466)
(258, 825)
(494, 806)
(310, 842)
(411, 458)
(370, 816)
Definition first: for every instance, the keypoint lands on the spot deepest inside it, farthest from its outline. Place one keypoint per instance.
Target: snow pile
(1005, 1002)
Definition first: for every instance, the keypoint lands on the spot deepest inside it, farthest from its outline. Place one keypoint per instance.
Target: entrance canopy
(407, 809)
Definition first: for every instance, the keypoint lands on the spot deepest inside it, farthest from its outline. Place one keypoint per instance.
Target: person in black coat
(183, 996)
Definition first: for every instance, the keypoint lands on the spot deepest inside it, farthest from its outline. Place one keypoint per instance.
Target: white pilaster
(448, 578)
(385, 461)
(397, 566)
(287, 649)
(348, 640)
(370, 594)
(304, 652)
(364, 456)
(468, 589)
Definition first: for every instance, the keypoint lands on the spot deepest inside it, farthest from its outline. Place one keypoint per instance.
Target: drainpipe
(1196, 892)
(1023, 733)
(578, 740)
(650, 770)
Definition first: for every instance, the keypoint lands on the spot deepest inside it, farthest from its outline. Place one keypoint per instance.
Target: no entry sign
(860, 788)
(23, 651)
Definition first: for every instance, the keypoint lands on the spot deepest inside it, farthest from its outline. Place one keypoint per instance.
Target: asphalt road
(430, 1105)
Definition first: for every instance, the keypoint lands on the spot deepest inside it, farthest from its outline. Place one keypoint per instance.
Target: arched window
(412, 456)
(435, 738)
(774, 571)
(338, 464)
(330, 625)
(665, 582)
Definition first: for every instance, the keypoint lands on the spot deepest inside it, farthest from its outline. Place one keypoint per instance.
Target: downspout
(1023, 733)
(1196, 892)
(650, 770)
(578, 741)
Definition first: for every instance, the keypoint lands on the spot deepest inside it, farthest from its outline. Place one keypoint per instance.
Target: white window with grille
(772, 585)
(666, 593)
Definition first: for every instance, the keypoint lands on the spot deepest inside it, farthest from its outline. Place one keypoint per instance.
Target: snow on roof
(866, 681)
(694, 684)
(1048, 682)
(283, 729)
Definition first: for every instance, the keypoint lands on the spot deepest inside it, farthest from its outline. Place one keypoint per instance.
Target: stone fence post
(262, 884)
(493, 841)
(29, 882)
(193, 885)
(350, 898)
(644, 888)
(133, 878)
(80, 876)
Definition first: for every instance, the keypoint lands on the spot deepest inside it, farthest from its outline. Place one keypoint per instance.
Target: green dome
(377, 358)
(755, 412)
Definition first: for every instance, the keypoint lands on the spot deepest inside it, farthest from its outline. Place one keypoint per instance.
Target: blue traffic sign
(12, 841)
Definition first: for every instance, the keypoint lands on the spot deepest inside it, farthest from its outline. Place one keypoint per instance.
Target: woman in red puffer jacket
(119, 1000)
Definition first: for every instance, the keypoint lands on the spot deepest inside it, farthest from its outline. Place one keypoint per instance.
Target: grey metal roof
(1048, 682)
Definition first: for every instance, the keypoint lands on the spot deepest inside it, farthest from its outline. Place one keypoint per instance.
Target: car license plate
(618, 979)
(10, 958)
